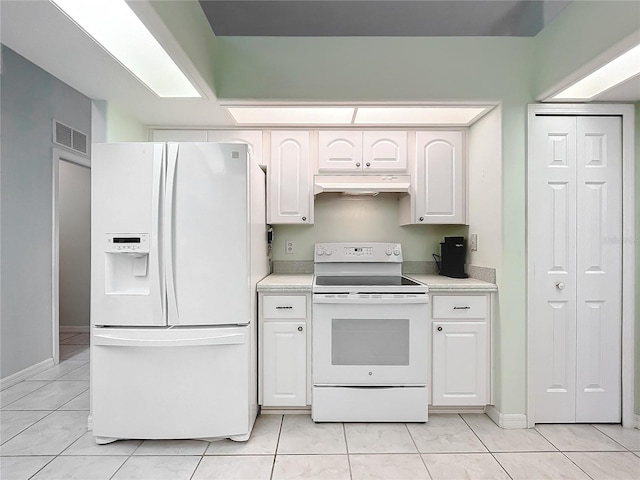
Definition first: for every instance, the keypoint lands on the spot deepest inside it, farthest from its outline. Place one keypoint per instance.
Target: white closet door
(599, 269)
(554, 312)
(577, 227)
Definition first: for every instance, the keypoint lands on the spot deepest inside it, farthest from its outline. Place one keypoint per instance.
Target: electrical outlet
(289, 246)
(473, 242)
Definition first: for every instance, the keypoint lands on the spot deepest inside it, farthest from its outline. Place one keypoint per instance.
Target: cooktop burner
(376, 281)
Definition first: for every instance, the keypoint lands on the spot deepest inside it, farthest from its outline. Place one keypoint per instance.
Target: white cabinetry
(460, 350)
(289, 192)
(284, 350)
(439, 192)
(353, 151)
(253, 138)
(179, 135)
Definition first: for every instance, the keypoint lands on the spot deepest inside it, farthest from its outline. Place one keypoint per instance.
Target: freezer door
(127, 279)
(206, 234)
(168, 383)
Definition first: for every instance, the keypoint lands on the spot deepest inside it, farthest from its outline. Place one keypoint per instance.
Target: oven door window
(374, 341)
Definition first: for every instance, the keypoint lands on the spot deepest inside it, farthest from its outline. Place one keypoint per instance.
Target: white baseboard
(90, 423)
(74, 329)
(26, 373)
(637, 421)
(507, 420)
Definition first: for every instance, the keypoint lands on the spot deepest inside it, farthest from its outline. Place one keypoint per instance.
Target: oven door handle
(368, 300)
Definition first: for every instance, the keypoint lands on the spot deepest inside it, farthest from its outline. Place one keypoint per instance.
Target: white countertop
(279, 282)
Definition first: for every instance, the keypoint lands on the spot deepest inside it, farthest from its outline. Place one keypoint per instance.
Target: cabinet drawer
(459, 306)
(284, 306)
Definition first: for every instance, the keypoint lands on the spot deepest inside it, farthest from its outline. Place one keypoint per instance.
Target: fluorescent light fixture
(113, 25)
(292, 115)
(613, 73)
(418, 115)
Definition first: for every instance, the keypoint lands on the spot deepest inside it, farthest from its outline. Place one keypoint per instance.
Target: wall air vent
(68, 137)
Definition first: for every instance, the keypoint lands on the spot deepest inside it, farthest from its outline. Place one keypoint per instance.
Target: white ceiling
(38, 31)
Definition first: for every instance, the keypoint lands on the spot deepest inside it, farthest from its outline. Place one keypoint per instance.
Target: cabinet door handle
(439, 329)
(304, 219)
(368, 164)
(462, 308)
(422, 219)
(300, 328)
(284, 307)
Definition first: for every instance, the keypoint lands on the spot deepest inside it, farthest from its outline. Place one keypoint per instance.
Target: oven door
(370, 340)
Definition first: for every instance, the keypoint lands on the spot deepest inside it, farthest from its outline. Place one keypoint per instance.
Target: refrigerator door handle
(115, 341)
(156, 208)
(168, 227)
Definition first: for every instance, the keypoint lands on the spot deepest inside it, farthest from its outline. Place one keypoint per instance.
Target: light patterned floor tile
(627, 437)
(264, 439)
(498, 439)
(19, 390)
(21, 468)
(81, 468)
(464, 466)
(379, 438)
(578, 438)
(172, 447)
(50, 397)
(49, 436)
(64, 336)
(77, 339)
(299, 434)
(81, 402)
(445, 433)
(381, 467)
(242, 467)
(63, 368)
(12, 423)
(316, 467)
(86, 445)
(607, 465)
(158, 468)
(81, 373)
(540, 466)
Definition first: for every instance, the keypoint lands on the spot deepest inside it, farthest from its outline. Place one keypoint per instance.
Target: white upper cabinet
(384, 151)
(253, 138)
(440, 185)
(353, 151)
(290, 195)
(339, 151)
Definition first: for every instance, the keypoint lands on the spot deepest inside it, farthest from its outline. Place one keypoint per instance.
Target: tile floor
(44, 436)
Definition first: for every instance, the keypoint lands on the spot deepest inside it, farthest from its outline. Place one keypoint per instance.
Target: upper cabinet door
(290, 195)
(440, 182)
(253, 138)
(384, 151)
(339, 151)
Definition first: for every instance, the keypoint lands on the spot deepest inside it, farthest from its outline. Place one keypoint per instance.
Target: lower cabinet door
(460, 363)
(284, 375)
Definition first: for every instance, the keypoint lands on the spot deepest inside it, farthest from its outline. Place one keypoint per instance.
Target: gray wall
(29, 99)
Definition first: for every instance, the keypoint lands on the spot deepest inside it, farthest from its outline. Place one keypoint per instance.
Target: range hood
(361, 184)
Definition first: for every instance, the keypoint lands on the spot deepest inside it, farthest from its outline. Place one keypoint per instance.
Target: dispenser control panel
(127, 243)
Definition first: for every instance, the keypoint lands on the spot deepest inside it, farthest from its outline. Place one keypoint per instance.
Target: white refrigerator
(178, 245)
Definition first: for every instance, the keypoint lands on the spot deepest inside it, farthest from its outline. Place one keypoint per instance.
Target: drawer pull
(300, 328)
(286, 307)
(462, 308)
(439, 329)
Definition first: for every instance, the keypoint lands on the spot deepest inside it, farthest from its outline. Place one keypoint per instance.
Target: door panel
(599, 269)
(209, 249)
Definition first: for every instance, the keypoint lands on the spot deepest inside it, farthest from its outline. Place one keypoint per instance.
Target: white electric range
(370, 336)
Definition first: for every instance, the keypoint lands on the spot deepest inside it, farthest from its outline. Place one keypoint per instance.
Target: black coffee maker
(451, 259)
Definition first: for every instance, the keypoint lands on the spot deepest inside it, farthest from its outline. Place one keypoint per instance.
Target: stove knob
(396, 251)
(327, 252)
(388, 251)
(319, 251)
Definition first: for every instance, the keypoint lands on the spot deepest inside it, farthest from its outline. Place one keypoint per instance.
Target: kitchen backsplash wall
(350, 219)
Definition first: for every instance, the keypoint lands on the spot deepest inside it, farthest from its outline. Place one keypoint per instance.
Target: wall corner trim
(507, 421)
(637, 421)
(26, 373)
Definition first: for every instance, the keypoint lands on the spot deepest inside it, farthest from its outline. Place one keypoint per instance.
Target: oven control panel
(358, 252)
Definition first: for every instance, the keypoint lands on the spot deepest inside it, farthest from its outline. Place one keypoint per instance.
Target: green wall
(637, 368)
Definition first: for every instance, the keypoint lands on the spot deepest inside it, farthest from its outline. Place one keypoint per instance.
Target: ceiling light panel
(120, 32)
(417, 115)
(613, 73)
(292, 115)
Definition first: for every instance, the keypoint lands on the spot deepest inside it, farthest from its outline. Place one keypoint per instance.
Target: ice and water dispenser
(127, 264)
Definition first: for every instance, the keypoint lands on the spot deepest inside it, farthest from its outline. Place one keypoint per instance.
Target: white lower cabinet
(460, 350)
(284, 350)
